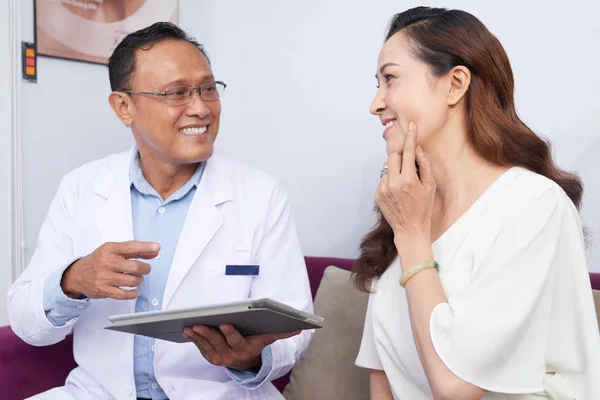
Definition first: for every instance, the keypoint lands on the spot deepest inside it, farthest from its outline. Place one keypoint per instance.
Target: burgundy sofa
(26, 370)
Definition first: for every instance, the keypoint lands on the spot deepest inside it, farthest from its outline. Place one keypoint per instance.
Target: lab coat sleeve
(53, 252)
(283, 277)
(59, 308)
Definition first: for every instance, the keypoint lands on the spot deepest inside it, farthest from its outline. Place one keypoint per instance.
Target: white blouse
(520, 318)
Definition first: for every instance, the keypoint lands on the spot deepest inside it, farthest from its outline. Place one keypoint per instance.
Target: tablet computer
(249, 317)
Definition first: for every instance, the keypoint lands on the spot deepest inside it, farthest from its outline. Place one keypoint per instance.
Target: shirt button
(128, 390)
(153, 348)
(162, 210)
(154, 386)
(154, 302)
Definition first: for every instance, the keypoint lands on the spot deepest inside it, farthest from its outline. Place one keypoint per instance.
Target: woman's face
(408, 91)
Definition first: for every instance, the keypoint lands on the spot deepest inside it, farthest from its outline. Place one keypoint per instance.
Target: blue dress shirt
(159, 221)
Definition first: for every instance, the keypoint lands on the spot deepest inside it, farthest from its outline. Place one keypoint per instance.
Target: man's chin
(205, 154)
(189, 156)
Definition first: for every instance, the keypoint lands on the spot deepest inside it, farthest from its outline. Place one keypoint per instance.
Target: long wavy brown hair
(443, 39)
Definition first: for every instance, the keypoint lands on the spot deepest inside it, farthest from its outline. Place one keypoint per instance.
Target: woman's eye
(387, 78)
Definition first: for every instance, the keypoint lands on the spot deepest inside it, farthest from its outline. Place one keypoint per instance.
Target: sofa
(326, 370)
(26, 370)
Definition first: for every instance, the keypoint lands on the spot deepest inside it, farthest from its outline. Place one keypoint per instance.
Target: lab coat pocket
(230, 278)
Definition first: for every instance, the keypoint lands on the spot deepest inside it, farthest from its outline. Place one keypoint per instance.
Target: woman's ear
(460, 79)
(122, 105)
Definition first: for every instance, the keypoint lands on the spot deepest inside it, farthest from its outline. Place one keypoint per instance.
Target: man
(155, 228)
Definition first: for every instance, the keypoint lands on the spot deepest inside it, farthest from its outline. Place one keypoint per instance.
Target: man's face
(175, 134)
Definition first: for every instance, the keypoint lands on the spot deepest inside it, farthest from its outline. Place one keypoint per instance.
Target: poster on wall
(89, 30)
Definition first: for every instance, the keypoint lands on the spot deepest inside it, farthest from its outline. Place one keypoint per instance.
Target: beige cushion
(327, 370)
(597, 302)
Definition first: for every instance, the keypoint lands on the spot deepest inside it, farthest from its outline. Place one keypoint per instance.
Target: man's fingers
(216, 339)
(119, 279)
(235, 340)
(207, 349)
(133, 267)
(136, 249)
(116, 293)
(267, 339)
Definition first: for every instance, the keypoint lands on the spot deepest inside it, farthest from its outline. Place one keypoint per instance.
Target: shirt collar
(140, 183)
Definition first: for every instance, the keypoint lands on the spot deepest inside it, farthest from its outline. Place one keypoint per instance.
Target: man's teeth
(193, 131)
(390, 124)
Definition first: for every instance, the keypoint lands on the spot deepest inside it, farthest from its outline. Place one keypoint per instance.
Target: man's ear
(460, 80)
(122, 104)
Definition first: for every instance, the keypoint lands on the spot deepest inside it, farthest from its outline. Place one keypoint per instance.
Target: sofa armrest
(27, 370)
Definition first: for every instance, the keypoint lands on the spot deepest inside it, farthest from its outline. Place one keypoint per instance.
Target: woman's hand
(404, 196)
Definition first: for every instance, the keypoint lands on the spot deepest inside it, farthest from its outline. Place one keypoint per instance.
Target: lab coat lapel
(202, 222)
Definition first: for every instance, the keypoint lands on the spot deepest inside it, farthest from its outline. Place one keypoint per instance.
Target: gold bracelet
(406, 275)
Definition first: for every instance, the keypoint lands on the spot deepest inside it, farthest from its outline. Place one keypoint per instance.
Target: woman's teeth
(390, 124)
(193, 131)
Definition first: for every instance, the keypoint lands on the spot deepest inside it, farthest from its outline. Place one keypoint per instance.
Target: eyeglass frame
(191, 92)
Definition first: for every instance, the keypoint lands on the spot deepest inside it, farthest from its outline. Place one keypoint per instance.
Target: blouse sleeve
(492, 333)
(367, 355)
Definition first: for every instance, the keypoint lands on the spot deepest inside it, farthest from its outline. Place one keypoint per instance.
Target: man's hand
(228, 348)
(111, 266)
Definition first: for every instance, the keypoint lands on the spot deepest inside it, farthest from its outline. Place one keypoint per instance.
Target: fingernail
(411, 126)
(419, 150)
(155, 247)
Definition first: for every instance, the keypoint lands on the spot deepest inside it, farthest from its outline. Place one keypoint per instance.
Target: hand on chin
(395, 143)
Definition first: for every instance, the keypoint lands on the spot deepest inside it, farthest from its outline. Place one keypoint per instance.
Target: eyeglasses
(182, 94)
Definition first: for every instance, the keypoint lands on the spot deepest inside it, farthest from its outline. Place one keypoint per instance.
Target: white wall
(300, 78)
(5, 163)
(66, 121)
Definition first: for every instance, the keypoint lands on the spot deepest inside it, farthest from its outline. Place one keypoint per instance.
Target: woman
(468, 188)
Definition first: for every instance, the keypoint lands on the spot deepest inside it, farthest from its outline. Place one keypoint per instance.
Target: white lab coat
(238, 216)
